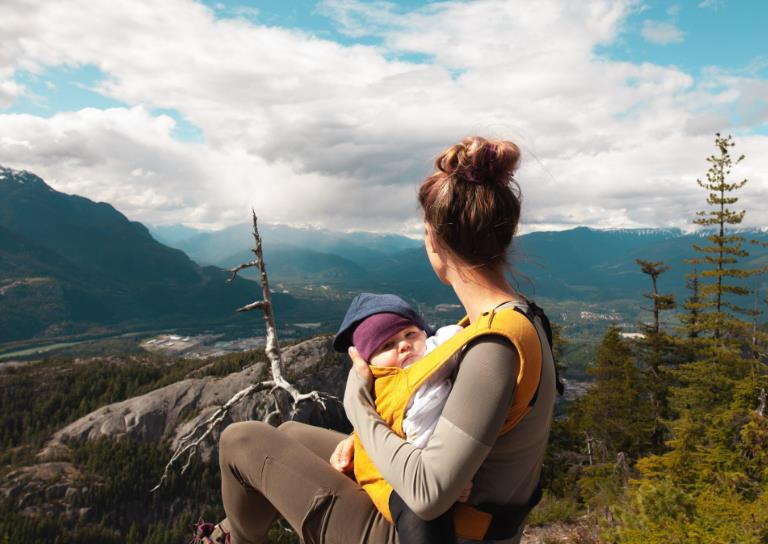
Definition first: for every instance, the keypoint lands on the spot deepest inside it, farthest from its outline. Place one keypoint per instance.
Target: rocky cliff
(55, 485)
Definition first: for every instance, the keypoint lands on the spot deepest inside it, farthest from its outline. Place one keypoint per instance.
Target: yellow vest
(394, 387)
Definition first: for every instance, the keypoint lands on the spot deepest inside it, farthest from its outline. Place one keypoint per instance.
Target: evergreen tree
(656, 351)
(715, 323)
(719, 308)
(691, 324)
(614, 414)
(712, 483)
(716, 460)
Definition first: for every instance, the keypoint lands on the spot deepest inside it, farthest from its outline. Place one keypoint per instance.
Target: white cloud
(9, 92)
(313, 132)
(358, 18)
(661, 33)
(712, 4)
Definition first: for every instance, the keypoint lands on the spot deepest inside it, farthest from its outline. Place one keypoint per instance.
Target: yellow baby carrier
(394, 387)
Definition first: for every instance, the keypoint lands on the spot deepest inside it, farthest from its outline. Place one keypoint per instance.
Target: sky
(329, 113)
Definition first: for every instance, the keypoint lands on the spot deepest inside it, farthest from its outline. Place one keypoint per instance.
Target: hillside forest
(669, 443)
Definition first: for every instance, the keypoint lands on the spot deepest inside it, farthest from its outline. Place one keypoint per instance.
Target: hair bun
(472, 202)
(478, 160)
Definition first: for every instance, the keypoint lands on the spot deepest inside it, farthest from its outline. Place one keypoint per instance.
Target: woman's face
(435, 254)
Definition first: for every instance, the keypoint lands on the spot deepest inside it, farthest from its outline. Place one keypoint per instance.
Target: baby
(388, 332)
(389, 339)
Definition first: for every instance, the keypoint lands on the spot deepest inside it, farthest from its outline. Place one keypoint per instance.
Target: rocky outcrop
(169, 412)
(53, 489)
(157, 415)
(56, 487)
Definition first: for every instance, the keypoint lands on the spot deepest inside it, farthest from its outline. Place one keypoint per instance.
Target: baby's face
(401, 349)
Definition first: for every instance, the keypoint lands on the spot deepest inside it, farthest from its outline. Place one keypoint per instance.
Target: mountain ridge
(71, 264)
(100, 268)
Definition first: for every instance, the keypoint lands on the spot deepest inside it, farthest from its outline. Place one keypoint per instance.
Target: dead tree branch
(189, 442)
(288, 400)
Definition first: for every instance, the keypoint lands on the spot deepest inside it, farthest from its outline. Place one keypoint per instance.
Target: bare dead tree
(589, 448)
(288, 400)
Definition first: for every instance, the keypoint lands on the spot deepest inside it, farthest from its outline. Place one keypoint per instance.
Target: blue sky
(182, 112)
(71, 88)
(728, 35)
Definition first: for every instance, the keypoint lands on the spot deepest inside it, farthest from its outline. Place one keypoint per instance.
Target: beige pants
(267, 471)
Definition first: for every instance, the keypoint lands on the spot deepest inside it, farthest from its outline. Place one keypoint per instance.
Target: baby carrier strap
(503, 323)
(494, 521)
(532, 312)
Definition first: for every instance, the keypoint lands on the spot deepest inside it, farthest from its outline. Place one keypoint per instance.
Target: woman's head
(471, 202)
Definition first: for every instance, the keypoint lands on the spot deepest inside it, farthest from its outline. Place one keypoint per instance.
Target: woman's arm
(430, 480)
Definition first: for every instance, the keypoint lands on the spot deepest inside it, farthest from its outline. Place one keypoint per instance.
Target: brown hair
(472, 201)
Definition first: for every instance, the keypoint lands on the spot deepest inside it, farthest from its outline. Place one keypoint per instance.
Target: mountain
(589, 264)
(219, 246)
(172, 234)
(581, 264)
(297, 265)
(70, 264)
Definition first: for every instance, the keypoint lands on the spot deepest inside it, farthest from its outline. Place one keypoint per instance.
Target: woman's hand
(343, 456)
(360, 365)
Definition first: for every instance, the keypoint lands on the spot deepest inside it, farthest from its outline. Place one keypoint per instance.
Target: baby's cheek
(385, 359)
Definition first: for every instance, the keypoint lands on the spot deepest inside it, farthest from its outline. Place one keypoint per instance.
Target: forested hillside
(671, 441)
(98, 490)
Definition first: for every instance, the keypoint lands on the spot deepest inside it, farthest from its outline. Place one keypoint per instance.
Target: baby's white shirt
(427, 403)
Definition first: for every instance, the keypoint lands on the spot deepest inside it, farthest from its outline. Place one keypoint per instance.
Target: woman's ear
(428, 241)
(435, 254)
(431, 241)
(435, 250)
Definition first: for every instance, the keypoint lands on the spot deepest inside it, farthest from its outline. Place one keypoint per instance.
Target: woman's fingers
(347, 454)
(359, 364)
(343, 455)
(335, 457)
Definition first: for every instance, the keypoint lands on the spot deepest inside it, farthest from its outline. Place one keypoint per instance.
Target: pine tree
(711, 485)
(719, 309)
(656, 351)
(717, 392)
(690, 320)
(715, 324)
(614, 414)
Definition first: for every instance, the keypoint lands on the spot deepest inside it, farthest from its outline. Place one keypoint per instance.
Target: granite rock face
(52, 489)
(156, 416)
(169, 412)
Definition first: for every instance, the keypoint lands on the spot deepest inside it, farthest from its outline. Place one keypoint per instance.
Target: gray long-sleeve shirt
(466, 445)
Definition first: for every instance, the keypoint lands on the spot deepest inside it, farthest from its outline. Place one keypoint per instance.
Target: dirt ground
(577, 533)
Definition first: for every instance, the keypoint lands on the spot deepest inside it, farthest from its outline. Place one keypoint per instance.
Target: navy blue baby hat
(365, 305)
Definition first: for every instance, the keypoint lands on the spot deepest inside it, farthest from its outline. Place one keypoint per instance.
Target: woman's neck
(480, 290)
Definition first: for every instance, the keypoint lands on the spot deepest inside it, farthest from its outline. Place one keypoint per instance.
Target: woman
(471, 210)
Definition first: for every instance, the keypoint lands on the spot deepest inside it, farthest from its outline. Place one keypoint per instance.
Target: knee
(290, 428)
(243, 436)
